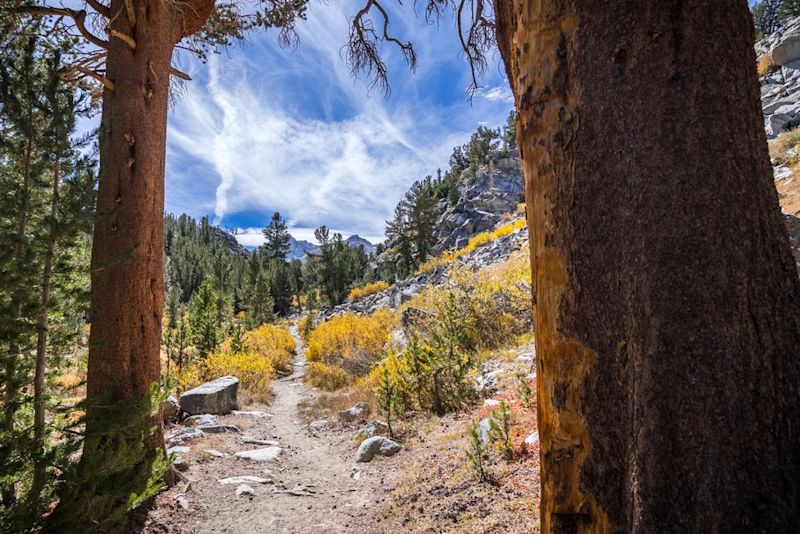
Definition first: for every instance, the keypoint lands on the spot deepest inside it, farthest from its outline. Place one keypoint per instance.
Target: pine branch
(78, 16)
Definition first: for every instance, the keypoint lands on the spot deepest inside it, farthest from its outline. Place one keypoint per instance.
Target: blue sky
(263, 129)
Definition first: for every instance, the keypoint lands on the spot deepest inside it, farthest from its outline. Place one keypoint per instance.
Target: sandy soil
(315, 484)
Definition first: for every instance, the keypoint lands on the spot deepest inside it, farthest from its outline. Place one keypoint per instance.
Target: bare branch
(100, 8)
(123, 37)
(78, 16)
(89, 72)
(180, 74)
(130, 12)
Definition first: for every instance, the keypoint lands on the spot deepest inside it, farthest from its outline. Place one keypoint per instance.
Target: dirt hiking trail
(314, 485)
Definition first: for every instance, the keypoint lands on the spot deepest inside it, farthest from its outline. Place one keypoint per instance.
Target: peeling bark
(667, 304)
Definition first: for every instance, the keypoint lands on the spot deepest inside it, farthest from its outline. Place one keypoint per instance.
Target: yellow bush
(780, 146)
(765, 64)
(350, 341)
(254, 372)
(495, 301)
(369, 289)
(327, 377)
(275, 344)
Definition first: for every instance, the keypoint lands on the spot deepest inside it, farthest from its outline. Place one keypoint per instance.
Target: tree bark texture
(127, 253)
(667, 304)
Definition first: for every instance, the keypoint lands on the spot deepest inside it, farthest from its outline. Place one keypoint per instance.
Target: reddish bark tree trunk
(667, 303)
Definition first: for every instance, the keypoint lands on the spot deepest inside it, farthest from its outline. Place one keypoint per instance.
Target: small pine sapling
(500, 430)
(387, 396)
(478, 454)
(525, 391)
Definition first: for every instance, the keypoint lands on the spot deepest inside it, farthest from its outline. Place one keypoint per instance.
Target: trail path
(315, 484)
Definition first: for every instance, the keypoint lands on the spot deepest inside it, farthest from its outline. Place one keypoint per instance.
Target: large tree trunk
(667, 304)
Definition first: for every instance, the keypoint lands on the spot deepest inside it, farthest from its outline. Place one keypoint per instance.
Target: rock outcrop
(779, 57)
(496, 190)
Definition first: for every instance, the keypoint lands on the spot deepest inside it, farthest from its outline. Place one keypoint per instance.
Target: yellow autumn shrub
(351, 341)
(275, 344)
(369, 289)
(325, 376)
(765, 64)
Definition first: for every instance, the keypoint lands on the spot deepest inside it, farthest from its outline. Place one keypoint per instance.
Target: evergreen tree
(276, 234)
(203, 320)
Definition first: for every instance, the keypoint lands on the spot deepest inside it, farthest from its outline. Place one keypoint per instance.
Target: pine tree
(276, 234)
(203, 320)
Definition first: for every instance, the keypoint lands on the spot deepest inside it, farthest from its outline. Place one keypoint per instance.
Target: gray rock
(484, 430)
(215, 453)
(244, 479)
(219, 429)
(491, 403)
(533, 439)
(215, 397)
(199, 420)
(180, 449)
(359, 412)
(244, 489)
(251, 414)
(319, 424)
(787, 50)
(267, 454)
(377, 445)
(186, 434)
(371, 429)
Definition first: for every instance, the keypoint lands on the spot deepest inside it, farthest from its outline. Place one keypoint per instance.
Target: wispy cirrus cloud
(264, 129)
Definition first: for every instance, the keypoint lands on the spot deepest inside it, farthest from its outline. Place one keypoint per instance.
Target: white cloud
(501, 93)
(264, 130)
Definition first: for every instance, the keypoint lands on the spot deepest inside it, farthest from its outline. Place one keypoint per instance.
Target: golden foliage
(275, 344)
(327, 377)
(369, 289)
(765, 64)
(350, 341)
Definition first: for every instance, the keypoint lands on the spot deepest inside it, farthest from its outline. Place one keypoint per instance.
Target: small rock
(491, 403)
(483, 430)
(243, 479)
(359, 412)
(267, 454)
(244, 489)
(180, 463)
(376, 445)
(215, 397)
(373, 428)
(187, 434)
(202, 419)
(219, 429)
(525, 358)
(254, 413)
(181, 501)
(319, 424)
(180, 449)
(215, 453)
(251, 441)
(533, 439)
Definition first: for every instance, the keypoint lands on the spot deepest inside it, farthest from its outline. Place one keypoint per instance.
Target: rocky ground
(307, 479)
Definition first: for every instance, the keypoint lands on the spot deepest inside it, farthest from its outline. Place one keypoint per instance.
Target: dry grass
(781, 145)
(328, 404)
(789, 193)
(369, 289)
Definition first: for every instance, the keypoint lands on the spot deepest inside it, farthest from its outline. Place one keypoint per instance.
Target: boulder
(377, 445)
(320, 424)
(215, 397)
(186, 434)
(371, 429)
(786, 50)
(219, 429)
(359, 412)
(200, 420)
